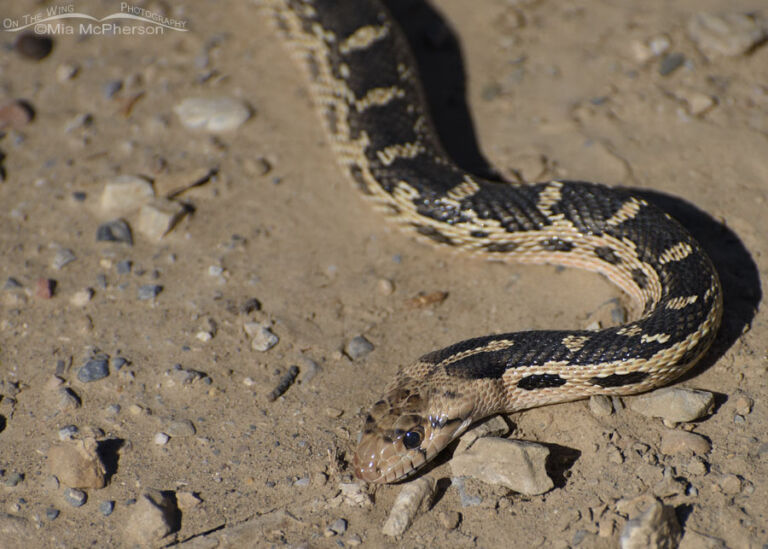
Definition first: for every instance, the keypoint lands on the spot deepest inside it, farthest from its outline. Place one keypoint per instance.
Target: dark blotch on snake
(500, 247)
(540, 381)
(434, 234)
(608, 255)
(478, 234)
(556, 245)
(640, 279)
(357, 174)
(617, 380)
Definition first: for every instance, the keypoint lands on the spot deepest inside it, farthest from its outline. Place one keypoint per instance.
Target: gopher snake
(365, 85)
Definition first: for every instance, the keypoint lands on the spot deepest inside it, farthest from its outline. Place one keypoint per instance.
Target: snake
(366, 88)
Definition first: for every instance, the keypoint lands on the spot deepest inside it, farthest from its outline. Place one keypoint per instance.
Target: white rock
(407, 505)
(516, 464)
(161, 439)
(126, 193)
(600, 405)
(216, 114)
(81, 297)
(728, 34)
(263, 338)
(159, 217)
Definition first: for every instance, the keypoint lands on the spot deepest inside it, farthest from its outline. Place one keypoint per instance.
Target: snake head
(408, 427)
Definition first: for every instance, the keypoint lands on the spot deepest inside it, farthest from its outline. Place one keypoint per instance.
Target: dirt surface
(555, 89)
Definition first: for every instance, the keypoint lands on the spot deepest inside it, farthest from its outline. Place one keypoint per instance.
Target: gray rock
(654, 528)
(670, 63)
(358, 347)
(75, 497)
(728, 34)
(149, 291)
(673, 404)
(216, 114)
(52, 513)
(63, 257)
(106, 507)
(180, 428)
(600, 405)
(117, 230)
(94, 369)
(336, 528)
(516, 464)
(68, 400)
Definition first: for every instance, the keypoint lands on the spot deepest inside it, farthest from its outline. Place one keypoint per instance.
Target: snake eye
(412, 439)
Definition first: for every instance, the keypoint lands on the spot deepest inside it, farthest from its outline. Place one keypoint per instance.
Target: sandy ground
(544, 89)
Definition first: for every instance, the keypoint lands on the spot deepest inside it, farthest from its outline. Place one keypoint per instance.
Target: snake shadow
(439, 59)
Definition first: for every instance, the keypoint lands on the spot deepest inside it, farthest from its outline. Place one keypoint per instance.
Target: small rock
(12, 284)
(670, 63)
(126, 193)
(674, 441)
(52, 513)
(263, 338)
(675, 404)
(118, 362)
(407, 505)
(124, 266)
(94, 369)
(336, 528)
(217, 114)
(743, 404)
(697, 103)
(187, 500)
(67, 71)
(149, 291)
(81, 298)
(655, 528)
(63, 257)
(728, 34)
(159, 217)
(152, 518)
(117, 230)
(600, 405)
(250, 305)
(385, 286)
(449, 520)
(76, 498)
(354, 493)
(111, 88)
(181, 428)
(68, 400)
(77, 464)
(106, 507)
(697, 466)
(161, 439)
(45, 288)
(33, 46)
(14, 479)
(354, 540)
(15, 115)
(358, 347)
(516, 464)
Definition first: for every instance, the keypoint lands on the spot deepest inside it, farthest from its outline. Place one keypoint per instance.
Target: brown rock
(674, 441)
(153, 517)
(77, 464)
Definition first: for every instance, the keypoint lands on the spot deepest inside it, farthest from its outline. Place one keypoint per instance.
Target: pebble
(45, 288)
(118, 362)
(149, 291)
(124, 266)
(655, 528)
(262, 337)
(696, 102)
(106, 507)
(126, 193)
(81, 298)
(283, 384)
(385, 286)
(161, 439)
(33, 46)
(94, 369)
(216, 114)
(728, 34)
(14, 479)
(52, 513)
(187, 500)
(151, 519)
(358, 347)
(697, 466)
(68, 432)
(116, 230)
(12, 284)
(743, 404)
(15, 114)
(111, 88)
(675, 404)
(76, 498)
(336, 528)
(600, 405)
(449, 520)
(67, 71)
(517, 465)
(354, 494)
(407, 505)
(674, 441)
(77, 464)
(354, 540)
(63, 257)
(159, 217)
(670, 63)
(250, 305)
(68, 400)
(181, 428)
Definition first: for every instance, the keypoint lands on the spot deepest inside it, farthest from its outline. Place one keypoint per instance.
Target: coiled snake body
(365, 85)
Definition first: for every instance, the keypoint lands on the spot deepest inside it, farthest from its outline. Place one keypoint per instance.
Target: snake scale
(365, 85)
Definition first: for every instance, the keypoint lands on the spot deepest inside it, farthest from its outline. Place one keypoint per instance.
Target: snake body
(366, 88)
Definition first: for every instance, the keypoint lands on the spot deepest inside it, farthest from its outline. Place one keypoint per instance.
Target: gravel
(94, 369)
